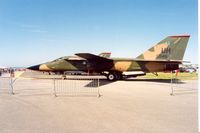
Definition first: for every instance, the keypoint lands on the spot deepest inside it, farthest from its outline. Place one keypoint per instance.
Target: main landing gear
(112, 76)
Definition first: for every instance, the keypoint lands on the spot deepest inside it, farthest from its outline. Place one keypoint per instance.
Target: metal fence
(180, 85)
(71, 86)
(6, 85)
(76, 86)
(79, 86)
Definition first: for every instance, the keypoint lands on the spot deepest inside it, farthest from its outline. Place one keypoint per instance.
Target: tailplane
(171, 48)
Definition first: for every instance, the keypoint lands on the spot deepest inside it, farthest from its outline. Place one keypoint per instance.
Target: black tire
(111, 77)
(119, 76)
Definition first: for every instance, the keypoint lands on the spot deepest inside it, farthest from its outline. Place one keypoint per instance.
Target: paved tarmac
(131, 106)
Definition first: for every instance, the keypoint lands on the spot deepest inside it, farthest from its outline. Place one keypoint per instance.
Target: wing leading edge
(89, 56)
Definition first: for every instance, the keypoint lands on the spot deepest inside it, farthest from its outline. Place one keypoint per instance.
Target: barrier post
(11, 86)
(172, 89)
(54, 87)
(98, 87)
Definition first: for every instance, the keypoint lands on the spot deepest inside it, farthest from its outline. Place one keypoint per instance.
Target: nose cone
(36, 67)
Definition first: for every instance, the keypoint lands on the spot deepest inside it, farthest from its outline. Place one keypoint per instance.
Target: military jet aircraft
(164, 56)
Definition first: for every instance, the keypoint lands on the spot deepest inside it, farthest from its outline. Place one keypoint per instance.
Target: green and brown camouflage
(171, 48)
(164, 56)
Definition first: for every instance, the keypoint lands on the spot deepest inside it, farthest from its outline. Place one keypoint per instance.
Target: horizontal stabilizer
(161, 61)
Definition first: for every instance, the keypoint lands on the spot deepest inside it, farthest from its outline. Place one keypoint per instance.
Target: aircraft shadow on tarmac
(103, 82)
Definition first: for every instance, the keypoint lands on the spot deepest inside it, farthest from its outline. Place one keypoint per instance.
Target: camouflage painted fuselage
(119, 65)
(164, 56)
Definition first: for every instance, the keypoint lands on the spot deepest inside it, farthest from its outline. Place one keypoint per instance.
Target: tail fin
(105, 54)
(171, 48)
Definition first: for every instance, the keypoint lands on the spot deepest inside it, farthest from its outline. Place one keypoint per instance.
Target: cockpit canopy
(69, 58)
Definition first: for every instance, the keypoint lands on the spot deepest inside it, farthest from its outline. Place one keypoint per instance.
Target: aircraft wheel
(119, 76)
(111, 77)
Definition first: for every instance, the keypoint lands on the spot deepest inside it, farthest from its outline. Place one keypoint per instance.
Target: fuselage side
(117, 64)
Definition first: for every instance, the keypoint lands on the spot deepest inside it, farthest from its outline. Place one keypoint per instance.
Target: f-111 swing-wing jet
(164, 56)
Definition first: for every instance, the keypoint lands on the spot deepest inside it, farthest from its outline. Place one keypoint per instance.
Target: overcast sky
(36, 31)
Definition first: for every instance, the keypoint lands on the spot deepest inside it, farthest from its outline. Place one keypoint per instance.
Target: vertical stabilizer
(171, 48)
